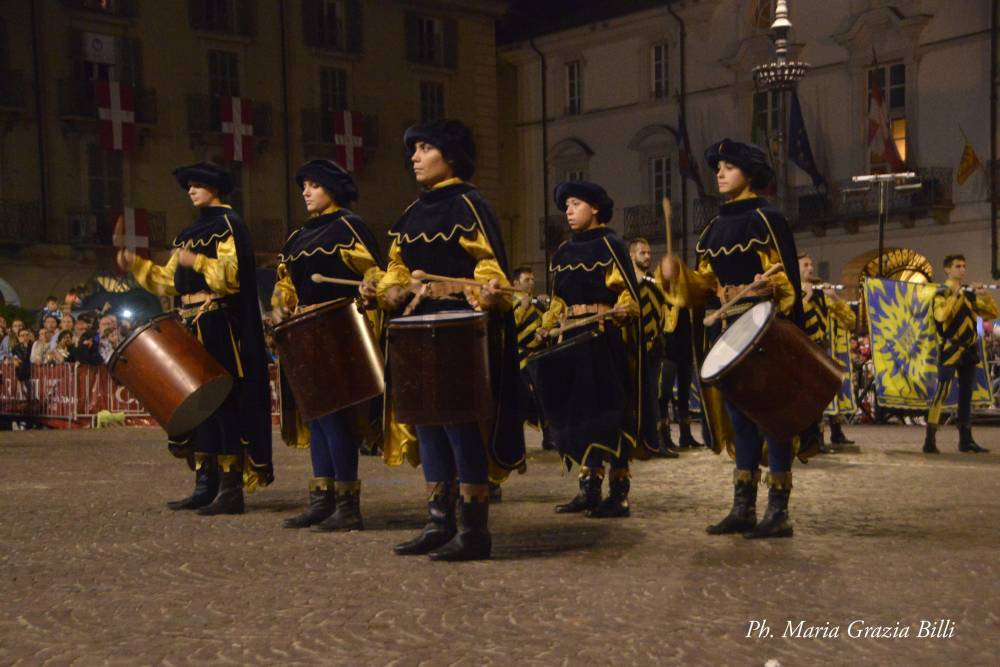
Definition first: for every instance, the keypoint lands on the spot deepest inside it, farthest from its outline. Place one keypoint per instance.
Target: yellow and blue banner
(844, 402)
(904, 344)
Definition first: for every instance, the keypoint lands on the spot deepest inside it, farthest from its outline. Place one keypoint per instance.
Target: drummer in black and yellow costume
(212, 272)
(600, 418)
(652, 320)
(747, 238)
(822, 315)
(451, 230)
(955, 311)
(333, 242)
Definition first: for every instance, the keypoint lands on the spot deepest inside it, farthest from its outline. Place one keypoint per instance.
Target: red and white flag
(880, 141)
(348, 139)
(116, 110)
(131, 230)
(236, 114)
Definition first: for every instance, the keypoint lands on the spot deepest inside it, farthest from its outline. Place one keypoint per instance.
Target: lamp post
(781, 75)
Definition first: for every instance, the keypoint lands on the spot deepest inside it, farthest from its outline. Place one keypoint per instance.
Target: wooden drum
(768, 368)
(171, 373)
(440, 370)
(330, 357)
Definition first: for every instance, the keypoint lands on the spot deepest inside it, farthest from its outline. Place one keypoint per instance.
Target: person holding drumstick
(451, 230)
(212, 271)
(593, 277)
(747, 239)
(336, 243)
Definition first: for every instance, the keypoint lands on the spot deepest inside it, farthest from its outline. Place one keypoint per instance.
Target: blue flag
(799, 150)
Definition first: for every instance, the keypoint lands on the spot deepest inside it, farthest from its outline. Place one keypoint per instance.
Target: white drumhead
(736, 338)
(446, 316)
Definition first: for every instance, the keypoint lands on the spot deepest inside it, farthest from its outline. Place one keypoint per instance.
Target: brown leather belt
(196, 297)
(583, 309)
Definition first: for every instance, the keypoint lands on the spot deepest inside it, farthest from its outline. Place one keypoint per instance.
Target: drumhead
(737, 338)
(447, 316)
(169, 315)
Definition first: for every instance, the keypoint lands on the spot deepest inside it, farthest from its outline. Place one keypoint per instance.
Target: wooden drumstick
(423, 275)
(668, 214)
(582, 322)
(319, 278)
(714, 317)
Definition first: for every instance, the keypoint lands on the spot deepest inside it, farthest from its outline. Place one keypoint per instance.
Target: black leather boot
(616, 504)
(206, 485)
(775, 522)
(589, 496)
(966, 443)
(837, 436)
(687, 440)
(347, 509)
(668, 450)
(473, 541)
(930, 440)
(743, 516)
(230, 498)
(440, 526)
(321, 504)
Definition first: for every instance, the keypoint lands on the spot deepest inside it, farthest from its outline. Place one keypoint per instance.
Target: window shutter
(355, 26)
(311, 13)
(450, 43)
(247, 17)
(196, 14)
(412, 38)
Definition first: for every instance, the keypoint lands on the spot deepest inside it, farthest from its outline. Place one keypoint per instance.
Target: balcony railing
(811, 209)
(317, 128)
(203, 116)
(119, 8)
(77, 99)
(20, 222)
(11, 89)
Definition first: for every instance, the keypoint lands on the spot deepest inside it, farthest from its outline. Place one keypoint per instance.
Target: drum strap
(196, 310)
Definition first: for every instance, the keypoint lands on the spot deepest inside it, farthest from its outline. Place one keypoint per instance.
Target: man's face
(642, 256)
(525, 282)
(66, 323)
(107, 324)
(805, 267)
(957, 270)
(50, 323)
(80, 327)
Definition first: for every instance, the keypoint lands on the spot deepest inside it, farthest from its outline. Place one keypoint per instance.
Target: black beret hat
(748, 157)
(334, 179)
(205, 173)
(452, 138)
(592, 193)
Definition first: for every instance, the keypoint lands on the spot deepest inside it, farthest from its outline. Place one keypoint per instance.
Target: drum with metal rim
(171, 373)
(769, 369)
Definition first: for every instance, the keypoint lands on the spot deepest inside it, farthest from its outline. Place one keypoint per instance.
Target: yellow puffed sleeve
(671, 311)
(985, 307)
(615, 281)
(487, 266)
(842, 312)
(222, 271)
(692, 287)
(284, 295)
(784, 293)
(155, 278)
(554, 315)
(396, 275)
(358, 259)
(946, 306)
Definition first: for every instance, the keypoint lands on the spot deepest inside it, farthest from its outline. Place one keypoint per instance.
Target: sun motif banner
(904, 344)
(844, 402)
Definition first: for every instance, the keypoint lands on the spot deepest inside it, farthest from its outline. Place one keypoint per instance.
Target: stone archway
(900, 264)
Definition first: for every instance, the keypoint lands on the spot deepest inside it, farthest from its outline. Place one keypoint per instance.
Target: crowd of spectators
(60, 335)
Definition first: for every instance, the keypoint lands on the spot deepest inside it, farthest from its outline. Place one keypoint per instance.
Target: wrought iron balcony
(809, 209)
(77, 100)
(204, 117)
(20, 222)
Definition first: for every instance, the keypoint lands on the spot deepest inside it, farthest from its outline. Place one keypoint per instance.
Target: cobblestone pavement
(95, 570)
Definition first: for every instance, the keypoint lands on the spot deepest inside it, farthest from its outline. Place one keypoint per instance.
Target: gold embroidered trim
(204, 242)
(581, 265)
(310, 253)
(347, 488)
(229, 462)
(591, 473)
(746, 476)
(780, 481)
(321, 484)
(440, 236)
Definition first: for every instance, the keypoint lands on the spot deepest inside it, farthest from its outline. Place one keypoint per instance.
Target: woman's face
(66, 324)
(731, 179)
(429, 165)
(201, 195)
(580, 215)
(317, 199)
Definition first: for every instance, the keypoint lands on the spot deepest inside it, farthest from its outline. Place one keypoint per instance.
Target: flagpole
(883, 181)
